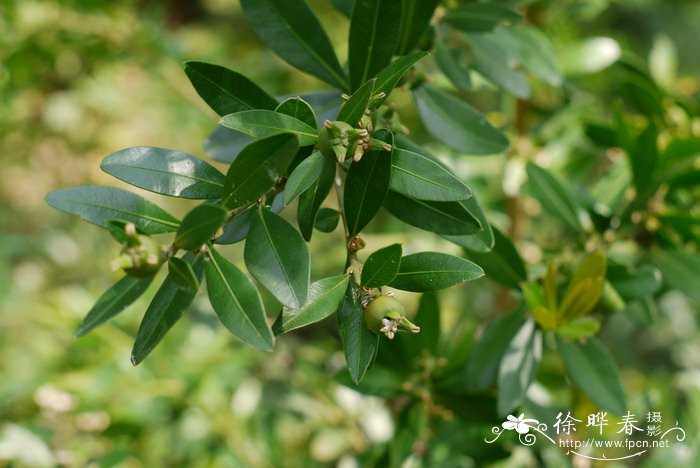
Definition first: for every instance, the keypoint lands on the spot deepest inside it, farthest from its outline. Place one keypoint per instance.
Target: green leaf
(167, 307)
(415, 19)
(503, 263)
(428, 319)
(182, 273)
(303, 176)
(634, 284)
(299, 109)
(480, 17)
(581, 328)
(589, 55)
(381, 266)
(592, 369)
(642, 159)
(374, 34)
(165, 171)
(261, 123)
(681, 149)
(366, 186)
(226, 91)
(390, 76)
(585, 287)
(257, 168)
(323, 299)
(486, 355)
(518, 367)
(344, 6)
(554, 197)
(237, 228)
(450, 218)
(277, 256)
(355, 107)
(483, 240)
(237, 302)
(293, 32)
(419, 177)
(680, 269)
(199, 225)
(428, 271)
(224, 144)
(327, 220)
(536, 54)
(359, 343)
(99, 205)
(491, 59)
(117, 298)
(451, 62)
(310, 201)
(457, 124)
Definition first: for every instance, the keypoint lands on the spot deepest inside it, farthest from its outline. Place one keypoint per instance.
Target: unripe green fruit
(380, 308)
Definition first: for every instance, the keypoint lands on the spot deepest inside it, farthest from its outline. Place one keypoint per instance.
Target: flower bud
(141, 256)
(387, 316)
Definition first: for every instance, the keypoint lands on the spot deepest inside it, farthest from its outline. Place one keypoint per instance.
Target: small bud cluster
(141, 256)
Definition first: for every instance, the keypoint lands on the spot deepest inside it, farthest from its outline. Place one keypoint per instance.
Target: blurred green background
(81, 79)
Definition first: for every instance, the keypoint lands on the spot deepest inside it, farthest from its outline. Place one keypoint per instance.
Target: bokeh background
(80, 79)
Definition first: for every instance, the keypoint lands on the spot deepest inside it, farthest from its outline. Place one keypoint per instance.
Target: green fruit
(333, 139)
(380, 308)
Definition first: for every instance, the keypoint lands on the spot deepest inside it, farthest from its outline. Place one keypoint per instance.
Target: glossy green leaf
(475, 17)
(483, 240)
(680, 269)
(199, 225)
(457, 124)
(366, 186)
(237, 302)
(518, 367)
(99, 205)
(355, 107)
(117, 298)
(310, 201)
(303, 177)
(323, 299)
(419, 177)
(182, 273)
(415, 19)
(293, 32)
(224, 144)
(261, 123)
(485, 357)
(450, 218)
(374, 34)
(299, 109)
(359, 343)
(165, 171)
(277, 256)
(428, 271)
(327, 220)
(554, 197)
(237, 228)
(592, 369)
(381, 266)
(167, 307)
(503, 263)
(491, 59)
(226, 91)
(257, 169)
(388, 78)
